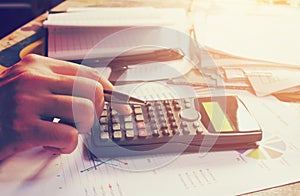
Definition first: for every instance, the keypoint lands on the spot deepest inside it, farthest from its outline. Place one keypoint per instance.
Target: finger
(79, 87)
(56, 135)
(67, 68)
(73, 69)
(72, 110)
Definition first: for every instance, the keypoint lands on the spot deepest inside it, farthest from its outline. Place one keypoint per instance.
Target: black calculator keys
(117, 135)
(142, 133)
(155, 132)
(139, 117)
(129, 134)
(156, 121)
(128, 125)
(104, 135)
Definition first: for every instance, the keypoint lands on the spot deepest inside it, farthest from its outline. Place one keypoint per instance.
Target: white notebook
(105, 32)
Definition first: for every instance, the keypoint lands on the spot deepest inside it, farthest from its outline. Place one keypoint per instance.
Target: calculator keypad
(156, 120)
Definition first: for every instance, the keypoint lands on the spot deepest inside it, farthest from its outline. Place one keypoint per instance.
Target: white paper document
(266, 81)
(250, 30)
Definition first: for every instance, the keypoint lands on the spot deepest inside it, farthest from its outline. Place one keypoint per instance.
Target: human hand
(37, 89)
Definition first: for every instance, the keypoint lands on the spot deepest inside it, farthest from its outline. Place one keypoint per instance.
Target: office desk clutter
(187, 101)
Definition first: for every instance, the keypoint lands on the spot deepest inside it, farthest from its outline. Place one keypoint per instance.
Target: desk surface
(31, 27)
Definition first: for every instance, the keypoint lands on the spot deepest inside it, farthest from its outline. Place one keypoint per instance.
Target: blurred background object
(15, 13)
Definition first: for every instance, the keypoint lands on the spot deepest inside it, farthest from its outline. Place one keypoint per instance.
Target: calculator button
(155, 133)
(163, 126)
(128, 125)
(168, 107)
(172, 119)
(138, 110)
(103, 120)
(185, 131)
(104, 113)
(183, 124)
(199, 130)
(175, 102)
(104, 127)
(139, 117)
(129, 134)
(166, 102)
(114, 112)
(189, 115)
(117, 135)
(116, 127)
(196, 124)
(169, 113)
(177, 107)
(140, 125)
(174, 125)
(142, 133)
(165, 132)
(104, 135)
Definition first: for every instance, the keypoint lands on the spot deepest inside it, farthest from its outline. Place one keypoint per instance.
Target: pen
(118, 97)
(120, 63)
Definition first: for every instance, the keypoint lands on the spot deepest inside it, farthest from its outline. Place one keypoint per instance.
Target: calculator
(175, 126)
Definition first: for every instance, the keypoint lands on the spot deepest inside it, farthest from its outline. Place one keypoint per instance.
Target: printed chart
(271, 148)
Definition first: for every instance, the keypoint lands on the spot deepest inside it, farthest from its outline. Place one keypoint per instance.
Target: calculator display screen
(217, 117)
(225, 115)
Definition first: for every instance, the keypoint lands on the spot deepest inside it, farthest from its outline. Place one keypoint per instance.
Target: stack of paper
(106, 32)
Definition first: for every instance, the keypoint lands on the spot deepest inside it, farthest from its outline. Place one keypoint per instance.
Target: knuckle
(25, 77)
(29, 78)
(30, 58)
(22, 105)
(28, 74)
(23, 130)
(25, 105)
(19, 99)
